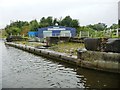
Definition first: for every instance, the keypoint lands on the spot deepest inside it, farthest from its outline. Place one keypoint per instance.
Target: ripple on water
(23, 69)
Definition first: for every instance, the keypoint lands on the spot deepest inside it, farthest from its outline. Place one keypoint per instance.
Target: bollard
(40, 51)
(79, 54)
(48, 53)
(59, 56)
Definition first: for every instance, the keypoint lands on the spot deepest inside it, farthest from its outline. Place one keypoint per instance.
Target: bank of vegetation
(67, 47)
(23, 27)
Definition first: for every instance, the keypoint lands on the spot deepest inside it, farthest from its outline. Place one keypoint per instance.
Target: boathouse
(54, 31)
(33, 34)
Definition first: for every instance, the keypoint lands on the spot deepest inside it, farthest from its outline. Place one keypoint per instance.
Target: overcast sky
(86, 11)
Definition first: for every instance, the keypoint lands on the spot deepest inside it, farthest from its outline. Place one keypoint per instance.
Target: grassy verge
(64, 47)
(68, 47)
(33, 44)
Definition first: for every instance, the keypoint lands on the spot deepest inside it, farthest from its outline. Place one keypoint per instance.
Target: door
(47, 34)
(65, 33)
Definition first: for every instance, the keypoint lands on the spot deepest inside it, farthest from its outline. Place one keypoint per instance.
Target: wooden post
(117, 33)
(88, 34)
(80, 34)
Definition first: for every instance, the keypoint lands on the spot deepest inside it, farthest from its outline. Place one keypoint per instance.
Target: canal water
(21, 69)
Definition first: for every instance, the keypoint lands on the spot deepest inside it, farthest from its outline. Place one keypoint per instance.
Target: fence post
(80, 34)
(117, 33)
(95, 33)
(88, 34)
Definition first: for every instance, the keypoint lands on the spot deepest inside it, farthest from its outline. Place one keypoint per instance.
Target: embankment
(105, 61)
(102, 61)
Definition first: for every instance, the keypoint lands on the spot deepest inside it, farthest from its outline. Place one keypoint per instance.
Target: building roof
(57, 27)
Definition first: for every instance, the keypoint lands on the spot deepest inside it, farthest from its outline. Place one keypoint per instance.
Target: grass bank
(33, 44)
(64, 47)
(67, 47)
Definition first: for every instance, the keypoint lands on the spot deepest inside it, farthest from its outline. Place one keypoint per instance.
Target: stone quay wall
(105, 61)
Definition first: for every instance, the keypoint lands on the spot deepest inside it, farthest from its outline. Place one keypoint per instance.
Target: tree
(33, 25)
(114, 26)
(13, 30)
(43, 22)
(55, 21)
(3, 33)
(25, 30)
(19, 24)
(15, 27)
(16, 30)
(74, 23)
(98, 27)
(49, 20)
(23, 27)
(66, 21)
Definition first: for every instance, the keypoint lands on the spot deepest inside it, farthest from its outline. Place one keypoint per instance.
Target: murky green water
(21, 69)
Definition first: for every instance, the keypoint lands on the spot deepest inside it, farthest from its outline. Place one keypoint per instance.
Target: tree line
(23, 27)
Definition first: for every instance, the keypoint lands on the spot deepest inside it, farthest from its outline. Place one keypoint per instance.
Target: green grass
(34, 44)
(64, 47)
(67, 47)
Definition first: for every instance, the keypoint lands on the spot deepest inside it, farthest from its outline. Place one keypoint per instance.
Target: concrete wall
(100, 60)
(76, 40)
(55, 40)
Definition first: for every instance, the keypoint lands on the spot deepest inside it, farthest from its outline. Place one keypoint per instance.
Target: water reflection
(95, 79)
(98, 79)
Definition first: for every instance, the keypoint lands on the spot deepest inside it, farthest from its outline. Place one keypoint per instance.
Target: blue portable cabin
(56, 31)
(33, 34)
